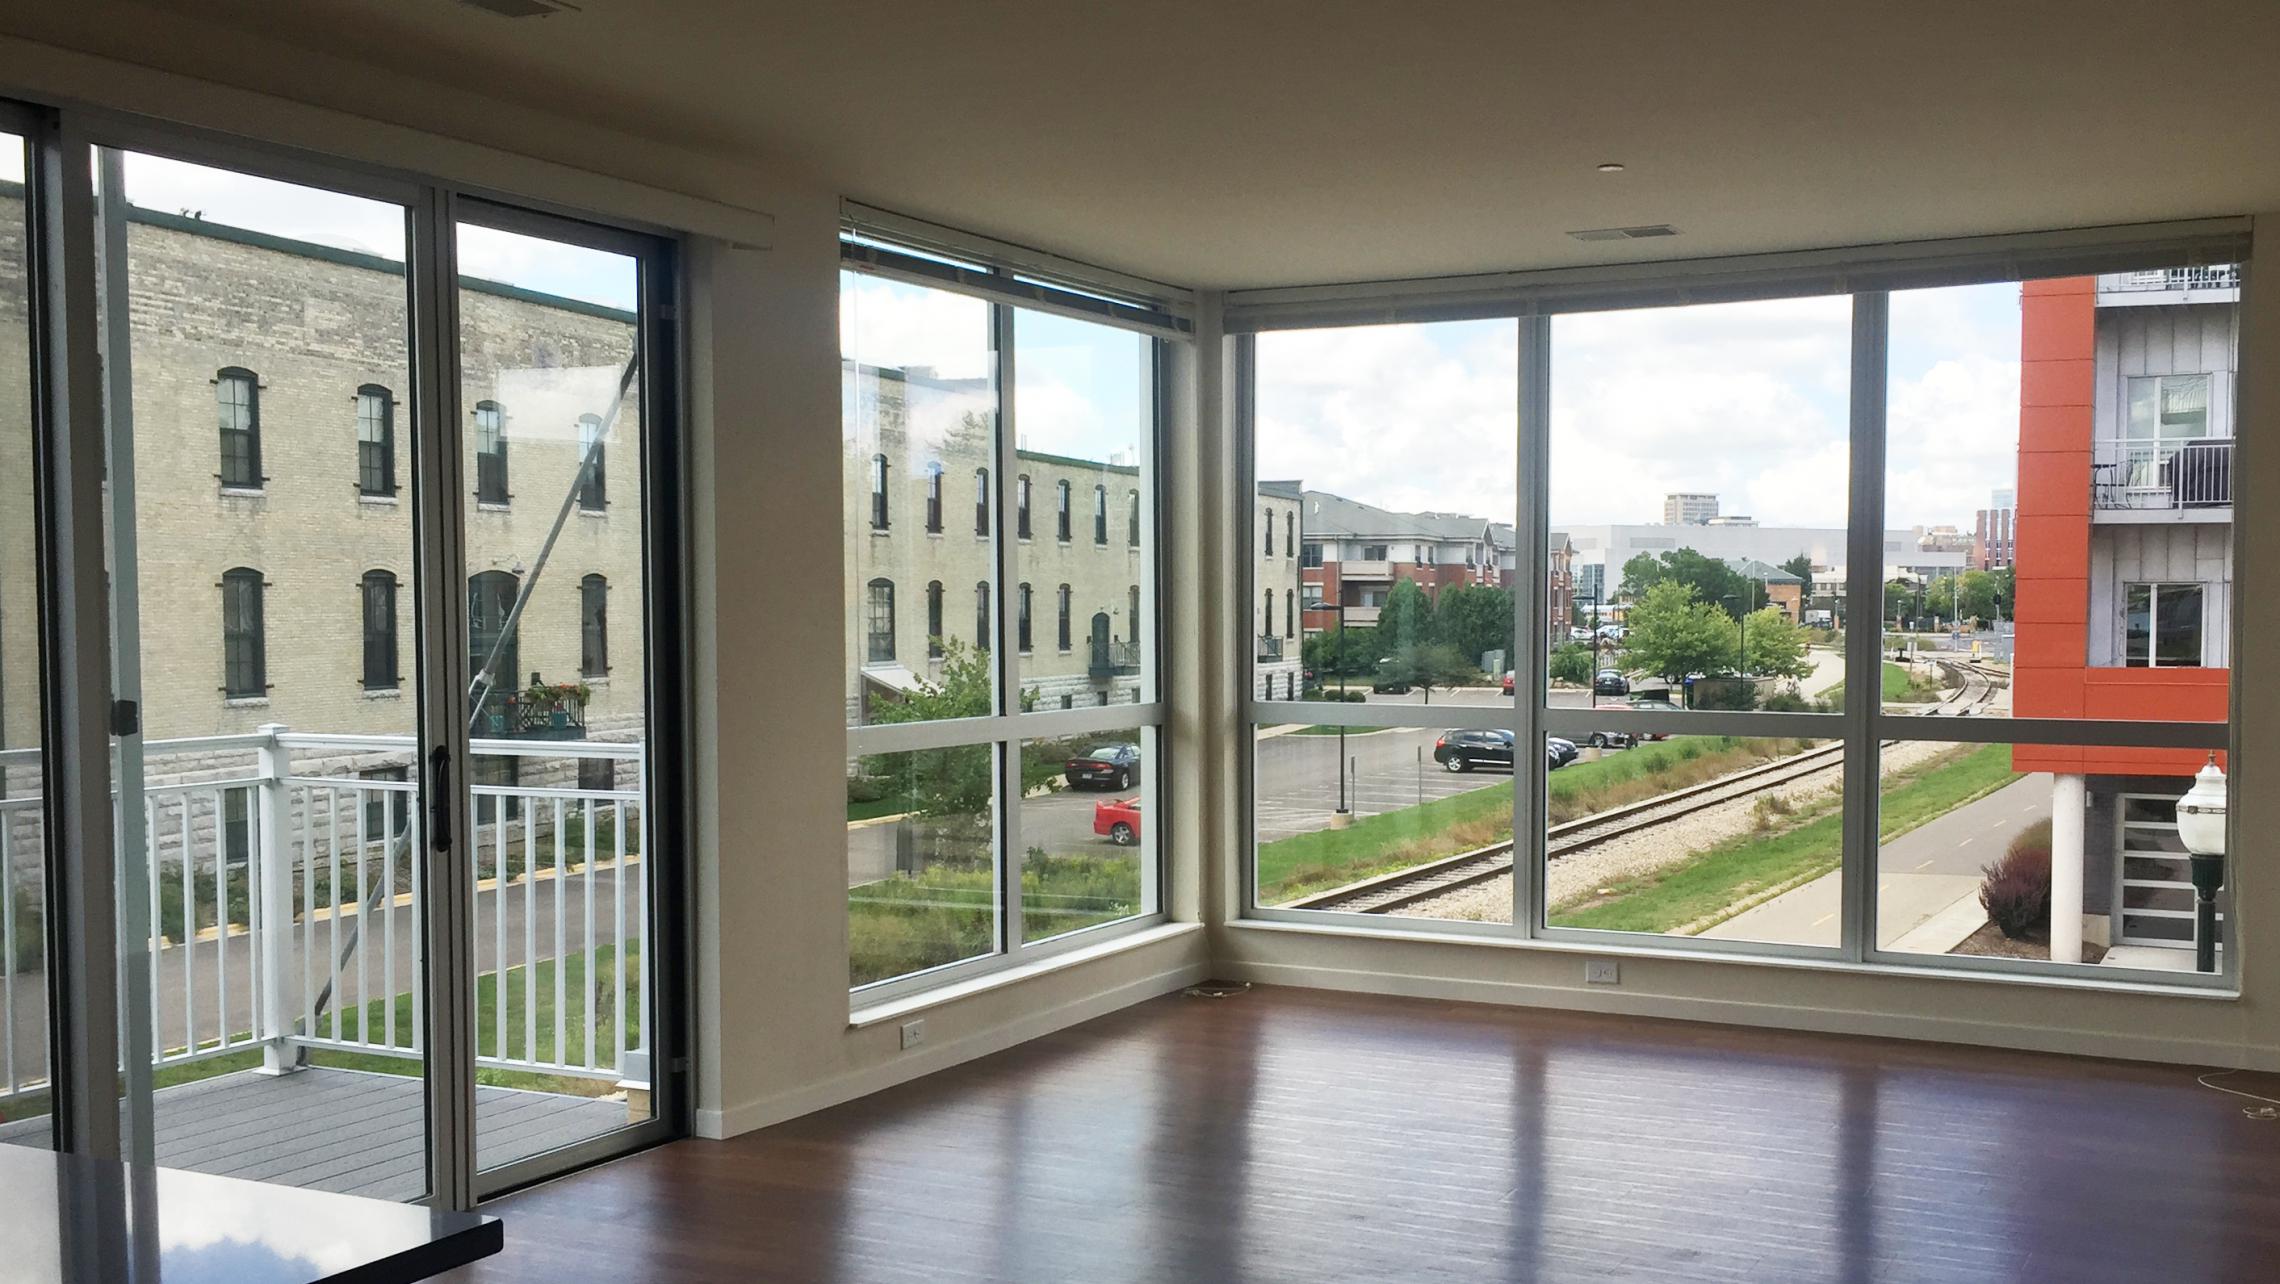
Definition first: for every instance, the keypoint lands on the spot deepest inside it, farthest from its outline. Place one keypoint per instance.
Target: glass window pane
(1408, 554)
(24, 999)
(2072, 438)
(1084, 406)
(922, 881)
(548, 332)
(1723, 837)
(1698, 477)
(1404, 821)
(277, 873)
(1091, 849)
(918, 397)
(1980, 843)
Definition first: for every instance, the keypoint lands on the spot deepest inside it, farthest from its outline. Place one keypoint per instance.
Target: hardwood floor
(1297, 1135)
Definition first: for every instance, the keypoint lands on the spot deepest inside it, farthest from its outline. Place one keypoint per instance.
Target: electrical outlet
(1601, 972)
(914, 1032)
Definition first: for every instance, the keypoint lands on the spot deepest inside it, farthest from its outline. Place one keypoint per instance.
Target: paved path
(1919, 874)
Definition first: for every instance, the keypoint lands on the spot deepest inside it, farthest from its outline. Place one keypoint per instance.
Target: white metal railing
(2223, 276)
(284, 892)
(2161, 472)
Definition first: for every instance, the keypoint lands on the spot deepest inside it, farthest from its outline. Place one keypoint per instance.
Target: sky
(1744, 400)
(354, 223)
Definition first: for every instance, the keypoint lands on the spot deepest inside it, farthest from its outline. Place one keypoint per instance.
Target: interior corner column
(2067, 798)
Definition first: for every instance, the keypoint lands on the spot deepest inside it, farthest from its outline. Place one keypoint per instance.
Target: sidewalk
(1922, 913)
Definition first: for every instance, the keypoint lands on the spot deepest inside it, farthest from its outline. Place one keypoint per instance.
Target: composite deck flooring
(1292, 1135)
(347, 1130)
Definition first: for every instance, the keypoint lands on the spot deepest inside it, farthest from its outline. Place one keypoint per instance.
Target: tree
(1341, 651)
(1776, 647)
(1571, 662)
(1801, 566)
(1434, 664)
(1902, 599)
(954, 786)
(1715, 583)
(1406, 619)
(1475, 619)
(1671, 634)
(1641, 573)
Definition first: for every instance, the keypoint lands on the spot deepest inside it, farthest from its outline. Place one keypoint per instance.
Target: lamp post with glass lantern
(2201, 827)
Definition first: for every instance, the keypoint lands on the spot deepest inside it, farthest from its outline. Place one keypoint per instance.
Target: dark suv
(1464, 750)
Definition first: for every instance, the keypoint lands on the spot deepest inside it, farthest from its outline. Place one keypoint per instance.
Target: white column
(2067, 796)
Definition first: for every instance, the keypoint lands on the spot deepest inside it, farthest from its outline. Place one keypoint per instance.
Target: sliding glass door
(365, 822)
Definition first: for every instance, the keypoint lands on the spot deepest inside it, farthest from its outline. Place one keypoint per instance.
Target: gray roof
(1341, 518)
(1764, 572)
(1281, 489)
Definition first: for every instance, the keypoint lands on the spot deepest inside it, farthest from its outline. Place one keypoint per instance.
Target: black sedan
(1465, 750)
(1610, 682)
(1114, 766)
(1558, 752)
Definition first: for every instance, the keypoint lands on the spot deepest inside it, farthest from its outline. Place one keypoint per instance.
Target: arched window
(878, 492)
(1290, 534)
(879, 622)
(593, 490)
(245, 662)
(934, 499)
(379, 593)
(1132, 614)
(593, 627)
(1269, 514)
(490, 453)
(982, 615)
(1267, 615)
(1021, 621)
(1021, 506)
(934, 619)
(1290, 613)
(490, 644)
(1061, 511)
(1100, 515)
(375, 440)
(1061, 636)
(237, 399)
(981, 501)
(1132, 519)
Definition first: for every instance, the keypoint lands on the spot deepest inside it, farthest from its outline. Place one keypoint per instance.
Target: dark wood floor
(1293, 1135)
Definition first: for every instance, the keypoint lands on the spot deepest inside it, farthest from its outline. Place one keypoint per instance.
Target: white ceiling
(1258, 142)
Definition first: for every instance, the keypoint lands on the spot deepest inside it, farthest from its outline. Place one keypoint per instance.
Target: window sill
(383, 693)
(896, 1009)
(488, 506)
(1735, 958)
(593, 512)
(243, 492)
(377, 501)
(245, 702)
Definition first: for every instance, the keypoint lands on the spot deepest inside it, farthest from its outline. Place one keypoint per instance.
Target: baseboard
(2087, 1043)
(719, 1124)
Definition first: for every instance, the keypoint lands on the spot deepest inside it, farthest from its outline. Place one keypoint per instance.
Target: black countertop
(93, 1221)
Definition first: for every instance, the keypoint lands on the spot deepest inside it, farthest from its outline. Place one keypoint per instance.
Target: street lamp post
(2201, 827)
(1340, 818)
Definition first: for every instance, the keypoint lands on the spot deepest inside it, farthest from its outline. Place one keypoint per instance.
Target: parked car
(1111, 766)
(1610, 740)
(1464, 750)
(1558, 752)
(1118, 820)
(1610, 682)
(1580, 634)
(1508, 682)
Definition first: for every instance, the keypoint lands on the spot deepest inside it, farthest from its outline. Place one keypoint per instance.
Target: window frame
(491, 476)
(879, 620)
(1007, 514)
(381, 654)
(2154, 591)
(934, 498)
(376, 454)
(245, 638)
(239, 469)
(593, 482)
(1532, 302)
(593, 625)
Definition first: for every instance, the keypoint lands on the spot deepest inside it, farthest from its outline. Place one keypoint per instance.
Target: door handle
(439, 799)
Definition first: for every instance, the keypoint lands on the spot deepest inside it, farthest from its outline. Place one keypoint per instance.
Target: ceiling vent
(522, 8)
(1625, 233)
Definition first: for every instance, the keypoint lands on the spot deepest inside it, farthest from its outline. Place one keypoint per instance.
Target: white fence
(2168, 472)
(285, 888)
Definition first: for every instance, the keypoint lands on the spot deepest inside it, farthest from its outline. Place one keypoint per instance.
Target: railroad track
(1977, 684)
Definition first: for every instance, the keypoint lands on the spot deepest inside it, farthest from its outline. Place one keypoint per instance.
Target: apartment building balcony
(2169, 287)
(1356, 616)
(284, 957)
(1376, 570)
(2141, 479)
(539, 712)
(1112, 659)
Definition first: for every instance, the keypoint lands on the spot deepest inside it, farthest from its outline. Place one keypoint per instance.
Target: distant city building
(1729, 519)
(1994, 540)
(1601, 551)
(1689, 509)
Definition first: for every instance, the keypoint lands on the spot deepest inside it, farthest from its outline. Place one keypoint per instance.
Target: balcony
(2162, 479)
(1377, 570)
(1269, 647)
(1112, 659)
(285, 953)
(2170, 286)
(541, 711)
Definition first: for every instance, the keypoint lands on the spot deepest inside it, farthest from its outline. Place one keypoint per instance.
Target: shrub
(1724, 693)
(864, 789)
(1571, 662)
(1791, 702)
(2016, 890)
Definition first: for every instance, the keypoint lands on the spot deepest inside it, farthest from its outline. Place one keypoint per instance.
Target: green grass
(946, 912)
(1326, 730)
(1900, 687)
(876, 808)
(1698, 889)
